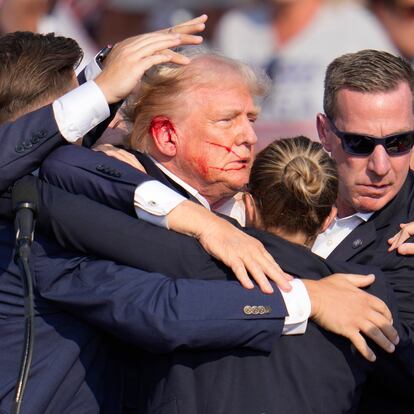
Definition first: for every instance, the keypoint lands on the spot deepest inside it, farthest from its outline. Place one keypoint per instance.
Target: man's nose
(247, 135)
(379, 161)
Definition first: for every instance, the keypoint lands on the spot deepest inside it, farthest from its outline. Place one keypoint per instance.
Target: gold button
(268, 309)
(261, 310)
(247, 310)
(255, 310)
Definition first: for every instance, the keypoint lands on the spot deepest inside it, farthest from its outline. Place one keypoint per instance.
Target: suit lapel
(156, 173)
(361, 237)
(355, 242)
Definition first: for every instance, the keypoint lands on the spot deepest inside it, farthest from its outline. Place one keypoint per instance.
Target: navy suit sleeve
(94, 174)
(25, 143)
(151, 310)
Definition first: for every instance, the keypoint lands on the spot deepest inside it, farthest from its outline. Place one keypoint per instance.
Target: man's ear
(329, 219)
(252, 216)
(163, 135)
(323, 131)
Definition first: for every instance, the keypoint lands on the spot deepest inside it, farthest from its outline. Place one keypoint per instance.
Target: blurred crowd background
(292, 40)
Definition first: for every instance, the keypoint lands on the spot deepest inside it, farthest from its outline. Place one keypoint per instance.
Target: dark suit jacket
(391, 386)
(27, 141)
(170, 381)
(82, 305)
(317, 372)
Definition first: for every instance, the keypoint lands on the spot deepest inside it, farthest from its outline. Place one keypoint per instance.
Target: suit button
(99, 167)
(27, 145)
(42, 133)
(19, 148)
(268, 309)
(117, 174)
(247, 310)
(356, 243)
(35, 139)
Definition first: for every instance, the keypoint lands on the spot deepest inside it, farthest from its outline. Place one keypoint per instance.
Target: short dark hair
(365, 71)
(34, 67)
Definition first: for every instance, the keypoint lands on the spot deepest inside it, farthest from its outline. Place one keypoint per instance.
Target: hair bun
(303, 177)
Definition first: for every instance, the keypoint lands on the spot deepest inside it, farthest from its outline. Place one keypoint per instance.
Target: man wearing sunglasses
(368, 129)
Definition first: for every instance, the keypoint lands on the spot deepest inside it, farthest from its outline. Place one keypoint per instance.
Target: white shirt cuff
(154, 200)
(299, 308)
(92, 70)
(80, 110)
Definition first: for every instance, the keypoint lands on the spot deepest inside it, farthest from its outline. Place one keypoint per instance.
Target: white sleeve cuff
(154, 200)
(299, 308)
(92, 70)
(80, 110)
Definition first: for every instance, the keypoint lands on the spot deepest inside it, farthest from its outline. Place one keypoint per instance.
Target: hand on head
(131, 58)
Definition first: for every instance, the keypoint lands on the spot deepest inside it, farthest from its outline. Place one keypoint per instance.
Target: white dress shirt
(81, 109)
(327, 241)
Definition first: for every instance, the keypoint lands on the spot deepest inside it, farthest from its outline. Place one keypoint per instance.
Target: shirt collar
(363, 216)
(181, 183)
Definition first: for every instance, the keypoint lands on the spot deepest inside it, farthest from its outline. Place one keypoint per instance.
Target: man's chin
(372, 204)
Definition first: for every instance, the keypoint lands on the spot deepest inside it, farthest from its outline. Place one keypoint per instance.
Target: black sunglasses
(363, 145)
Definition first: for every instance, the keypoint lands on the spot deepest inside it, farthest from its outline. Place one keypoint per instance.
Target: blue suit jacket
(86, 308)
(90, 176)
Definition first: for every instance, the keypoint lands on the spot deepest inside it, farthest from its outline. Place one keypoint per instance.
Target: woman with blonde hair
(292, 190)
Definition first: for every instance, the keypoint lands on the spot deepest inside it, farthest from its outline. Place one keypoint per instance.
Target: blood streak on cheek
(225, 147)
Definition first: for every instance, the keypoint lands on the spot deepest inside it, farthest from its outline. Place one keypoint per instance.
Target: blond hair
(294, 183)
(162, 86)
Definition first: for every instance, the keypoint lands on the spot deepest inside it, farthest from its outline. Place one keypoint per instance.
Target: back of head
(369, 70)
(35, 69)
(294, 183)
(163, 86)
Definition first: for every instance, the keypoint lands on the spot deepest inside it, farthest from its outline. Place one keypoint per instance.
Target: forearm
(156, 312)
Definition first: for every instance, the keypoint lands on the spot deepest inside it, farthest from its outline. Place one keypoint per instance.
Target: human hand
(398, 240)
(132, 57)
(242, 253)
(340, 306)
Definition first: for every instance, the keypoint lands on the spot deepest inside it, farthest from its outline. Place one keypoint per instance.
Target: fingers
(406, 249)
(195, 25)
(260, 270)
(274, 272)
(359, 280)
(398, 240)
(362, 347)
(241, 274)
(175, 57)
(382, 332)
(380, 307)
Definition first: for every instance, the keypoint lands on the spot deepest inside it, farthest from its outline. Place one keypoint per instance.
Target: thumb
(361, 281)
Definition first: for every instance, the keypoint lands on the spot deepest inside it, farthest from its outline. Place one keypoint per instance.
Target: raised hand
(131, 58)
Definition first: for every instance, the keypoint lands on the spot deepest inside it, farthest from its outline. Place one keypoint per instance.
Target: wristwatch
(102, 54)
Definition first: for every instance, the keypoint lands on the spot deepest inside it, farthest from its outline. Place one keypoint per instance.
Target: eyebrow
(233, 113)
